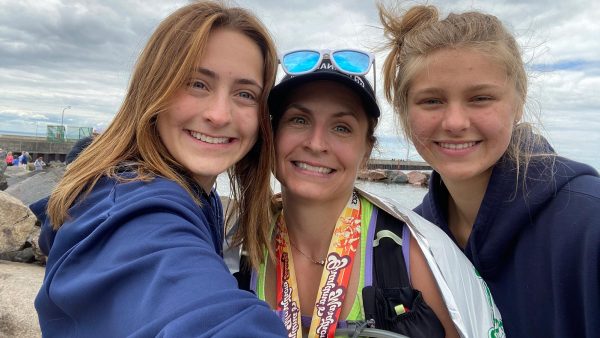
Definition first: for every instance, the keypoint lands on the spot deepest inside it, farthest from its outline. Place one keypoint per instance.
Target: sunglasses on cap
(347, 61)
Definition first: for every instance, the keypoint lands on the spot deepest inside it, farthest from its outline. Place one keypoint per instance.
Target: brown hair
(418, 32)
(164, 66)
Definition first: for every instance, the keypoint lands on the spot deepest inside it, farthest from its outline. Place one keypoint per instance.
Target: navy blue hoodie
(142, 259)
(538, 251)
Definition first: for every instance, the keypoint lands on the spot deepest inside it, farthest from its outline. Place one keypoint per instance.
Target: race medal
(334, 280)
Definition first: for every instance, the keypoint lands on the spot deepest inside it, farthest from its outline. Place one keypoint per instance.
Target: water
(407, 195)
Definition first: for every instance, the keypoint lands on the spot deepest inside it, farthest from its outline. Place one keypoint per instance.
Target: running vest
(389, 301)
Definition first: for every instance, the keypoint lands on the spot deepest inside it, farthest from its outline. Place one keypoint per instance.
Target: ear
(519, 115)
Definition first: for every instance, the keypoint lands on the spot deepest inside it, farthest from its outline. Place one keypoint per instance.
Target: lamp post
(62, 117)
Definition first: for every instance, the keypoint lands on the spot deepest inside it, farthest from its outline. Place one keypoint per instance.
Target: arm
(147, 266)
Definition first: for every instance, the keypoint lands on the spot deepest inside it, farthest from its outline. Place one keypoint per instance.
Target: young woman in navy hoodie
(134, 230)
(527, 218)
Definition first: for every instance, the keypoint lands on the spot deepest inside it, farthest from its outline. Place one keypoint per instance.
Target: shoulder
(123, 211)
(128, 201)
(586, 185)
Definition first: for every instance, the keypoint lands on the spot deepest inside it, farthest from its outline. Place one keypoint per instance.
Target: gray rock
(19, 284)
(17, 223)
(3, 182)
(35, 247)
(400, 177)
(37, 186)
(16, 174)
(22, 256)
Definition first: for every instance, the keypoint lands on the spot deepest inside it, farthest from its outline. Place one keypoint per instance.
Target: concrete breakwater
(37, 146)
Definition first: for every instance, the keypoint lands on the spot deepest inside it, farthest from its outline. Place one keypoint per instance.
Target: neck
(205, 182)
(310, 224)
(463, 205)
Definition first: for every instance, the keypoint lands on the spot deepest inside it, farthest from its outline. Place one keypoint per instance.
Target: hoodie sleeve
(47, 233)
(143, 263)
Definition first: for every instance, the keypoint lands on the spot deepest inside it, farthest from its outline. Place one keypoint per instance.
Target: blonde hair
(418, 32)
(164, 66)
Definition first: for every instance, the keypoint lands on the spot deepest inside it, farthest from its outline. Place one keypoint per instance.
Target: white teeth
(208, 139)
(321, 170)
(457, 146)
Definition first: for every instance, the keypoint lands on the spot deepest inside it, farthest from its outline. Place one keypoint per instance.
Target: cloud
(80, 53)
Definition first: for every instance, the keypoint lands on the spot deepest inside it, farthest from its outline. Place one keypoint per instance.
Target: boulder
(33, 239)
(362, 174)
(17, 223)
(418, 178)
(16, 174)
(37, 186)
(372, 175)
(397, 176)
(3, 182)
(19, 285)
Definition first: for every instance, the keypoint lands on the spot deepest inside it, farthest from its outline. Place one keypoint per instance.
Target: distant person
(24, 159)
(527, 218)
(9, 158)
(345, 257)
(39, 163)
(135, 227)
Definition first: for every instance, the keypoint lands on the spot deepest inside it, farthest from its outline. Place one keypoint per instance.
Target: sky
(71, 59)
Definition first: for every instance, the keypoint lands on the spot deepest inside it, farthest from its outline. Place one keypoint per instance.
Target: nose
(456, 118)
(219, 111)
(316, 140)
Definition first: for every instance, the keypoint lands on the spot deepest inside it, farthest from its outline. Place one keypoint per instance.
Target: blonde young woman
(528, 219)
(135, 228)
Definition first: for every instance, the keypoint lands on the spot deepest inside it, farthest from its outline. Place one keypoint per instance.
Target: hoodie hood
(509, 205)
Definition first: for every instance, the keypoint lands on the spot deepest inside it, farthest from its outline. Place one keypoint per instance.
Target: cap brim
(279, 93)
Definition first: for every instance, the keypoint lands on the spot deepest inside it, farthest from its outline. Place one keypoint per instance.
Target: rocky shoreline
(21, 262)
(418, 178)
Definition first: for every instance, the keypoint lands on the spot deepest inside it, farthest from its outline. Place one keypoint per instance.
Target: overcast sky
(79, 53)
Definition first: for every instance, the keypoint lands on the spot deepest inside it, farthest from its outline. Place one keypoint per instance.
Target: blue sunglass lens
(300, 62)
(352, 61)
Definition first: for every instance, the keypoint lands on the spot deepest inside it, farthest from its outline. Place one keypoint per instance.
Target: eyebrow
(306, 110)
(437, 91)
(242, 81)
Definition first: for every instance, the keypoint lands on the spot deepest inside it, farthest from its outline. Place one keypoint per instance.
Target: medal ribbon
(334, 280)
